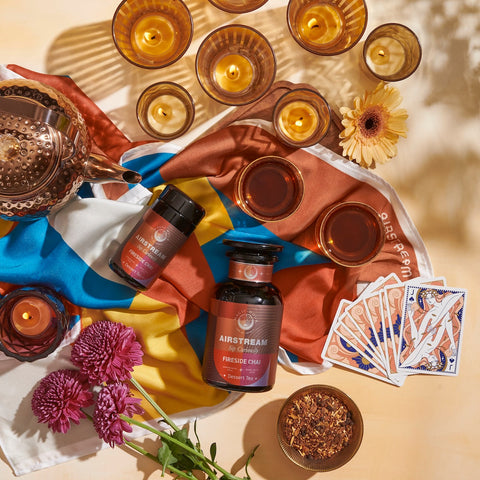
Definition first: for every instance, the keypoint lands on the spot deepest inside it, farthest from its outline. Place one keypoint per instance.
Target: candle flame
(26, 316)
(161, 111)
(232, 70)
(312, 23)
(299, 122)
(381, 53)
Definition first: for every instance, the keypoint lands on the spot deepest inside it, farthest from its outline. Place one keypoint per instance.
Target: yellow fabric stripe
(217, 220)
(171, 371)
(5, 227)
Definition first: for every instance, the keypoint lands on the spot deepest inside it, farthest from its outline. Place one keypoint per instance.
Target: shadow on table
(269, 460)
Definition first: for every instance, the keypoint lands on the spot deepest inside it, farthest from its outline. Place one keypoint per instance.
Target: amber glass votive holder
(327, 27)
(152, 33)
(165, 110)
(392, 52)
(269, 188)
(238, 6)
(235, 65)
(301, 117)
(351, 233)
(33, 322)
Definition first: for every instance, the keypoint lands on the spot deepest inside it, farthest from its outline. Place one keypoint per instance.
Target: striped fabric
(69, 252)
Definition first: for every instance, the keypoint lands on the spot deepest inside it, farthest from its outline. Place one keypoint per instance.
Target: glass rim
(239, 95)
(311, 49)
(310, 142)
(174, 59)
(229, 8)
(326, 215)
(172, 87)
(392, 78)
(238, 197)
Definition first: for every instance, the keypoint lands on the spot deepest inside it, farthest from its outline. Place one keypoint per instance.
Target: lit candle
(166, 114)
(233, 73)
(298, 120)
(31, 316)
(153, 35)
(321, 24)
(385, 56)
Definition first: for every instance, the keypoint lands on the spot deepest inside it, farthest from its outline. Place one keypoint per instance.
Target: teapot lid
(32, 140)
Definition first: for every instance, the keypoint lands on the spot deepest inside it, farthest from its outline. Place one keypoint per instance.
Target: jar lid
(182, 204)
(259, 250)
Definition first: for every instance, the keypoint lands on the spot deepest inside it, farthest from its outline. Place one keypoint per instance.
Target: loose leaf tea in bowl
(319, 428)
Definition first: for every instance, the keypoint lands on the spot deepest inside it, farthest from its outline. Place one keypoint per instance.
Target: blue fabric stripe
(196, 332)
(291, 356)
(249, 229)
(148, 166)
(35, 253)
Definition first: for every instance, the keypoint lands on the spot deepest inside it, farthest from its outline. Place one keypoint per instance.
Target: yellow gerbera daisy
(373, 126)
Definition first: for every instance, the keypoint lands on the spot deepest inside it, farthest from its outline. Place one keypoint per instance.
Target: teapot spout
(99, 169)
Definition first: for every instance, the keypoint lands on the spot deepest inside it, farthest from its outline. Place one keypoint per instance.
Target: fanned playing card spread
(395, 329)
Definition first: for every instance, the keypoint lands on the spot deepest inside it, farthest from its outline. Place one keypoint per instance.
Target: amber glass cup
(269, 188)
(165, 110)
(301, 117)
(238, 6)
(152, 33)
(392, 52)
(327, 27)
(33, 322)
(235, 65)
(350, 233)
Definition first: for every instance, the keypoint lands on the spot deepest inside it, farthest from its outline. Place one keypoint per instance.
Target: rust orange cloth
(312, 288)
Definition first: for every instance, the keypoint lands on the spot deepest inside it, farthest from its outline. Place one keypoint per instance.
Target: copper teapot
(45, 151)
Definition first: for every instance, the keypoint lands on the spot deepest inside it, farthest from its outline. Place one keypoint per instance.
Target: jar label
(150, 248)
(250, 272)
(242, 344)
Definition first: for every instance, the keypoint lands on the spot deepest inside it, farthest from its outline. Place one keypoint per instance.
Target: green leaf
(213, 451)
(165, 457)
(185, 460)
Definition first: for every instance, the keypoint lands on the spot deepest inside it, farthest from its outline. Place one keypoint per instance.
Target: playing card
(339, 351)
(357, 314)
(431, 329)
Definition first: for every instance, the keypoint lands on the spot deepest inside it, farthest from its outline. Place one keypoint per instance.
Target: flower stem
(187, 448)
(174, 470)
(154, 404)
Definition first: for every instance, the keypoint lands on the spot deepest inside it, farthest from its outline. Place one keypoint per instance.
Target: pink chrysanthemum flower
(114, 400)
(106, 352)
(59, 398)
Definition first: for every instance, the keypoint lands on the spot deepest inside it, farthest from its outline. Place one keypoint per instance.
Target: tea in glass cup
(269, 188)
(350, 233)
(327, 27)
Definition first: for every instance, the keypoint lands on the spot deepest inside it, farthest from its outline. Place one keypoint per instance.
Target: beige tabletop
(430, 427)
